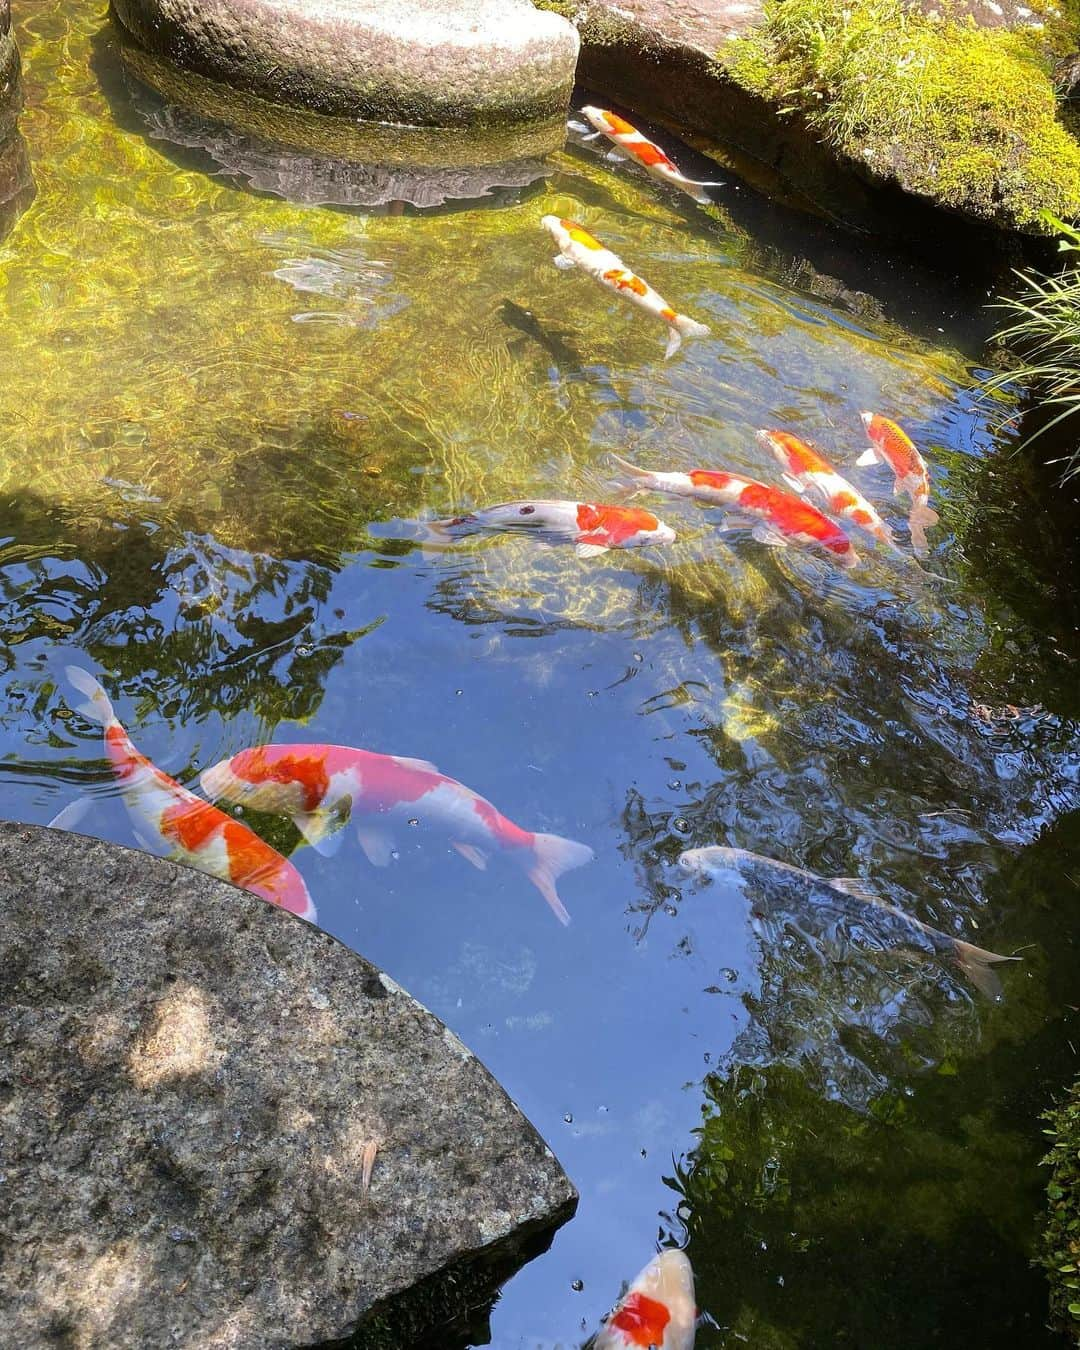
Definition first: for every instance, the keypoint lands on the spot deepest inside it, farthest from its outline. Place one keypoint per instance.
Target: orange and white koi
(630, 143)
(892, 446)
(804, 469)
(320, 786)
(170, 819)
(591, 527)
(578, 248)
(780, 517)
(657, 1311)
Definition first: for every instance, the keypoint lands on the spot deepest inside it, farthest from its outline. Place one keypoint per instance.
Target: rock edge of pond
(669, 62)
(446, 63)
(190, 1083)
(9, 74)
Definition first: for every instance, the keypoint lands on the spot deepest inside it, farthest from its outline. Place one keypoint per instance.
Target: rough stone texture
(188, 1078)
(9, 74)
(16, 182)
(309, 157)
(429, 62)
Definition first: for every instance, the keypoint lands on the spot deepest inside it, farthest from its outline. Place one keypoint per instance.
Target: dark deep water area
(219, 413)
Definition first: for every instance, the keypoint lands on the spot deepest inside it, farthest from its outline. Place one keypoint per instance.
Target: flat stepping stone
(422, 63)
(192, 1087)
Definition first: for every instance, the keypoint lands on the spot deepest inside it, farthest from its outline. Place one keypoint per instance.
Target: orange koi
(320, 786)
(170, 819)
(803, 469)
(578, 248)
(893, 447)
(780, 517)
(657, 1311)
(632, 145)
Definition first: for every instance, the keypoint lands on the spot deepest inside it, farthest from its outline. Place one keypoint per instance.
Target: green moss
(963, 115)
(1061, 1245)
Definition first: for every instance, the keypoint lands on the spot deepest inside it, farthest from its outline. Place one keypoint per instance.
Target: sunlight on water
(225, 422)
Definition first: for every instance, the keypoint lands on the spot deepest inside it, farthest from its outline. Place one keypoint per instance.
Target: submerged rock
(439, 63)
(9, 73)
(193, 1086)
(308, 157)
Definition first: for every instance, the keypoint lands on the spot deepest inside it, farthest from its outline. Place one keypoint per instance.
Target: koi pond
(222, 416)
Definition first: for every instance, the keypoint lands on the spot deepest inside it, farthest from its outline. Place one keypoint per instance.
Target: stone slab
(188, 1081)
(416, 62)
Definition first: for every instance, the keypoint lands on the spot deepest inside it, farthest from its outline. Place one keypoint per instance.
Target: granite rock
(189, 1084)
(9, 74)
(436, 62)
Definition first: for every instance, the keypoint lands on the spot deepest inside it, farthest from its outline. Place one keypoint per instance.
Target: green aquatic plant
(1045, 336)
(1061, 1243)
(960, 114)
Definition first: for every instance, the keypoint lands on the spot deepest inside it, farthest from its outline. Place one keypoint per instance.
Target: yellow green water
(220, 412)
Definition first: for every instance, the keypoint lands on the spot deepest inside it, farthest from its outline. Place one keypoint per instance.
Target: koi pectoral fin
(321, 830)
(587, 550)
(564, 264)
(764, 533)
(72, 814)
(868, 457)
(377, 843)
(795, 484)
(471, 854)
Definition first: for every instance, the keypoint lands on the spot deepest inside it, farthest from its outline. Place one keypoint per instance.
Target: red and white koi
(804, 469)
(657, 1311)
(591, 527)
(632, 145)
(893, 447)
(320, 786)
(779, 517)
(578, 248)
(169, 819)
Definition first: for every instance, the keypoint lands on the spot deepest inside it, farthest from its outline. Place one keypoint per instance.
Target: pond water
(219, 413)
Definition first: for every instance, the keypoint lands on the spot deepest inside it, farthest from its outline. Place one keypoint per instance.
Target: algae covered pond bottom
(222, 416)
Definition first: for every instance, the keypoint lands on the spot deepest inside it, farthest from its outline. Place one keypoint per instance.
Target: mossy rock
(963, 115)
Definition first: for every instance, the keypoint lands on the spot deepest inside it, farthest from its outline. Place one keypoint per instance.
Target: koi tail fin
(700, 195)
(683, 327)
(97, 706)
(920, 520)
(977, 964)
(551, 857)
(631, 469)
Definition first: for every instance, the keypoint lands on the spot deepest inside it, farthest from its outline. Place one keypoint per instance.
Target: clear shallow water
(217, 410)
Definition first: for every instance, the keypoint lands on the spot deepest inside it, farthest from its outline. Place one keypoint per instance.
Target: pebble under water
(222, 415)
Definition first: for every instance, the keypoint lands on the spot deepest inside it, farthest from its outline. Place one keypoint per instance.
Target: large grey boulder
(416, 62)
(190, 1082)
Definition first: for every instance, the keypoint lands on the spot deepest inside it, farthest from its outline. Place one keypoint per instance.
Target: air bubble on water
(638, 657)
(707, 1057)
(413, 820)
(303, 650)
(568, 1118)
(577, 1286)
(592, 693)
(680, 825)
(459, 692)
(671, 911)
(644, 1153)
(729, 974)
(238, 810)
(395, 854)
(675, 785)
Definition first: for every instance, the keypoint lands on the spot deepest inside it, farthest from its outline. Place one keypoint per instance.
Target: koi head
(711, 862)
(597, 118)
(792, 454)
